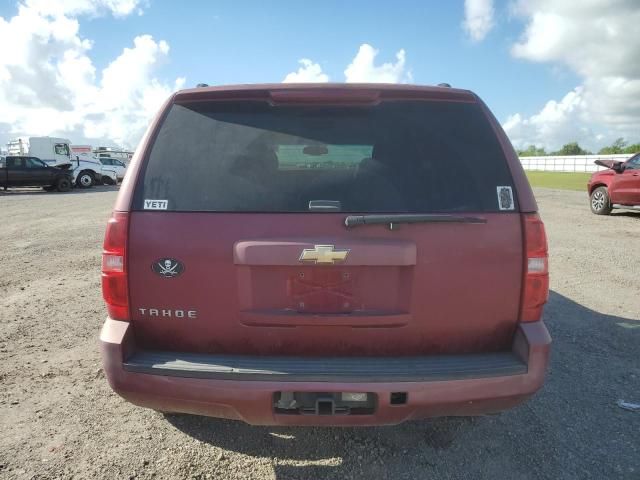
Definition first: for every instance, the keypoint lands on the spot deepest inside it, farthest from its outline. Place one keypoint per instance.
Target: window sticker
(155, 204)
(505, 198)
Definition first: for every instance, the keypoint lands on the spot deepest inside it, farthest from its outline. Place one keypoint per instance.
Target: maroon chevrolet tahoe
(325, 255)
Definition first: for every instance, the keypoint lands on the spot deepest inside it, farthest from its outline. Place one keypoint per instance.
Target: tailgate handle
(373, 252)
(325, 205)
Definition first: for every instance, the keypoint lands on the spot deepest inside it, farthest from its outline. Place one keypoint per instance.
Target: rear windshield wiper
(392, 219)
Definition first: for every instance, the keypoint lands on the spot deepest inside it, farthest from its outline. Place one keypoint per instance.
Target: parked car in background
(90, 172)
(618, 187)
(87, 171)
(325, 255)
(116, 165)
(113, 152)
(23, 171)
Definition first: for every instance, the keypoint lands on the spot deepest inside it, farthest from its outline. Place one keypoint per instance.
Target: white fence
(573, 163)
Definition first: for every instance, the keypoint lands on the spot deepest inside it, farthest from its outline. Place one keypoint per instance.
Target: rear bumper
(433, 388)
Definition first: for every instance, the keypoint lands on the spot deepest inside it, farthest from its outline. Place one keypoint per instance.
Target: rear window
(398, 156)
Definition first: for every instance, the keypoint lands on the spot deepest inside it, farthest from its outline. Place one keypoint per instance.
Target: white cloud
(128, 95)
(556, 124)
(478, 18)
(363, 69)
(308, 72)
(50, 86)
(599, 40)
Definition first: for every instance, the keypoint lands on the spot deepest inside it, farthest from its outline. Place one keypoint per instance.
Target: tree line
(617, 147)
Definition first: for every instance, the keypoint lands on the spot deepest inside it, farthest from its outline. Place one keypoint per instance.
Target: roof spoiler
(324, 94)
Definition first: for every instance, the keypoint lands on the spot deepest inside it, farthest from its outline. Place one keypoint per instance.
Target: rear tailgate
(264, 273)
(445, 288)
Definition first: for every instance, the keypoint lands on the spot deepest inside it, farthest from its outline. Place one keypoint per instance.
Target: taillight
(536, 275)
(114, 267)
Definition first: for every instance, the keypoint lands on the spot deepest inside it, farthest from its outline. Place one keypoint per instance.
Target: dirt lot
(59, 418)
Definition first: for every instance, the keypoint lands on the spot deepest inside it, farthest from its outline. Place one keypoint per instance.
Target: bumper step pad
(329, 369)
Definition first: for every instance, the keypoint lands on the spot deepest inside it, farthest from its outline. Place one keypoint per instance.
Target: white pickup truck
(116, 165)
(57, 151)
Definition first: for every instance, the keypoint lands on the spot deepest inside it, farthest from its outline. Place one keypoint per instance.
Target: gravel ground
(59, 418)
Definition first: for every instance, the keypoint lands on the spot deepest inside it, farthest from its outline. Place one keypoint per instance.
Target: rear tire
(85, 179)
(600, 201)
(63, 185)
(107, 180)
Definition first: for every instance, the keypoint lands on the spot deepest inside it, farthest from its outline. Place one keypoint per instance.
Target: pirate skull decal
(167, 267)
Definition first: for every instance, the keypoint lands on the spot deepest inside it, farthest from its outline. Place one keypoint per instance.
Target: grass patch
(560, 180)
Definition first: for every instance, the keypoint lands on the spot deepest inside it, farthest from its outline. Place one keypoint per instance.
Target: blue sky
(223, 42)
(523, 58)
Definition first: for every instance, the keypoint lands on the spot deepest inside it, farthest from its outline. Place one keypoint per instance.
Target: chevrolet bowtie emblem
(325, 254)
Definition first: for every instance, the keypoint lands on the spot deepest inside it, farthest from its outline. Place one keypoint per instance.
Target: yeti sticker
(167, 267)
(156, 204)
(505, 198)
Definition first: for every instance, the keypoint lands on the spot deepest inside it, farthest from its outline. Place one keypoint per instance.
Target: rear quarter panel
(125, 196)
(526, 199)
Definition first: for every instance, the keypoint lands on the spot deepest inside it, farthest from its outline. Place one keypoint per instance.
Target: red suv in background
(616, 187)
(325, 255)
